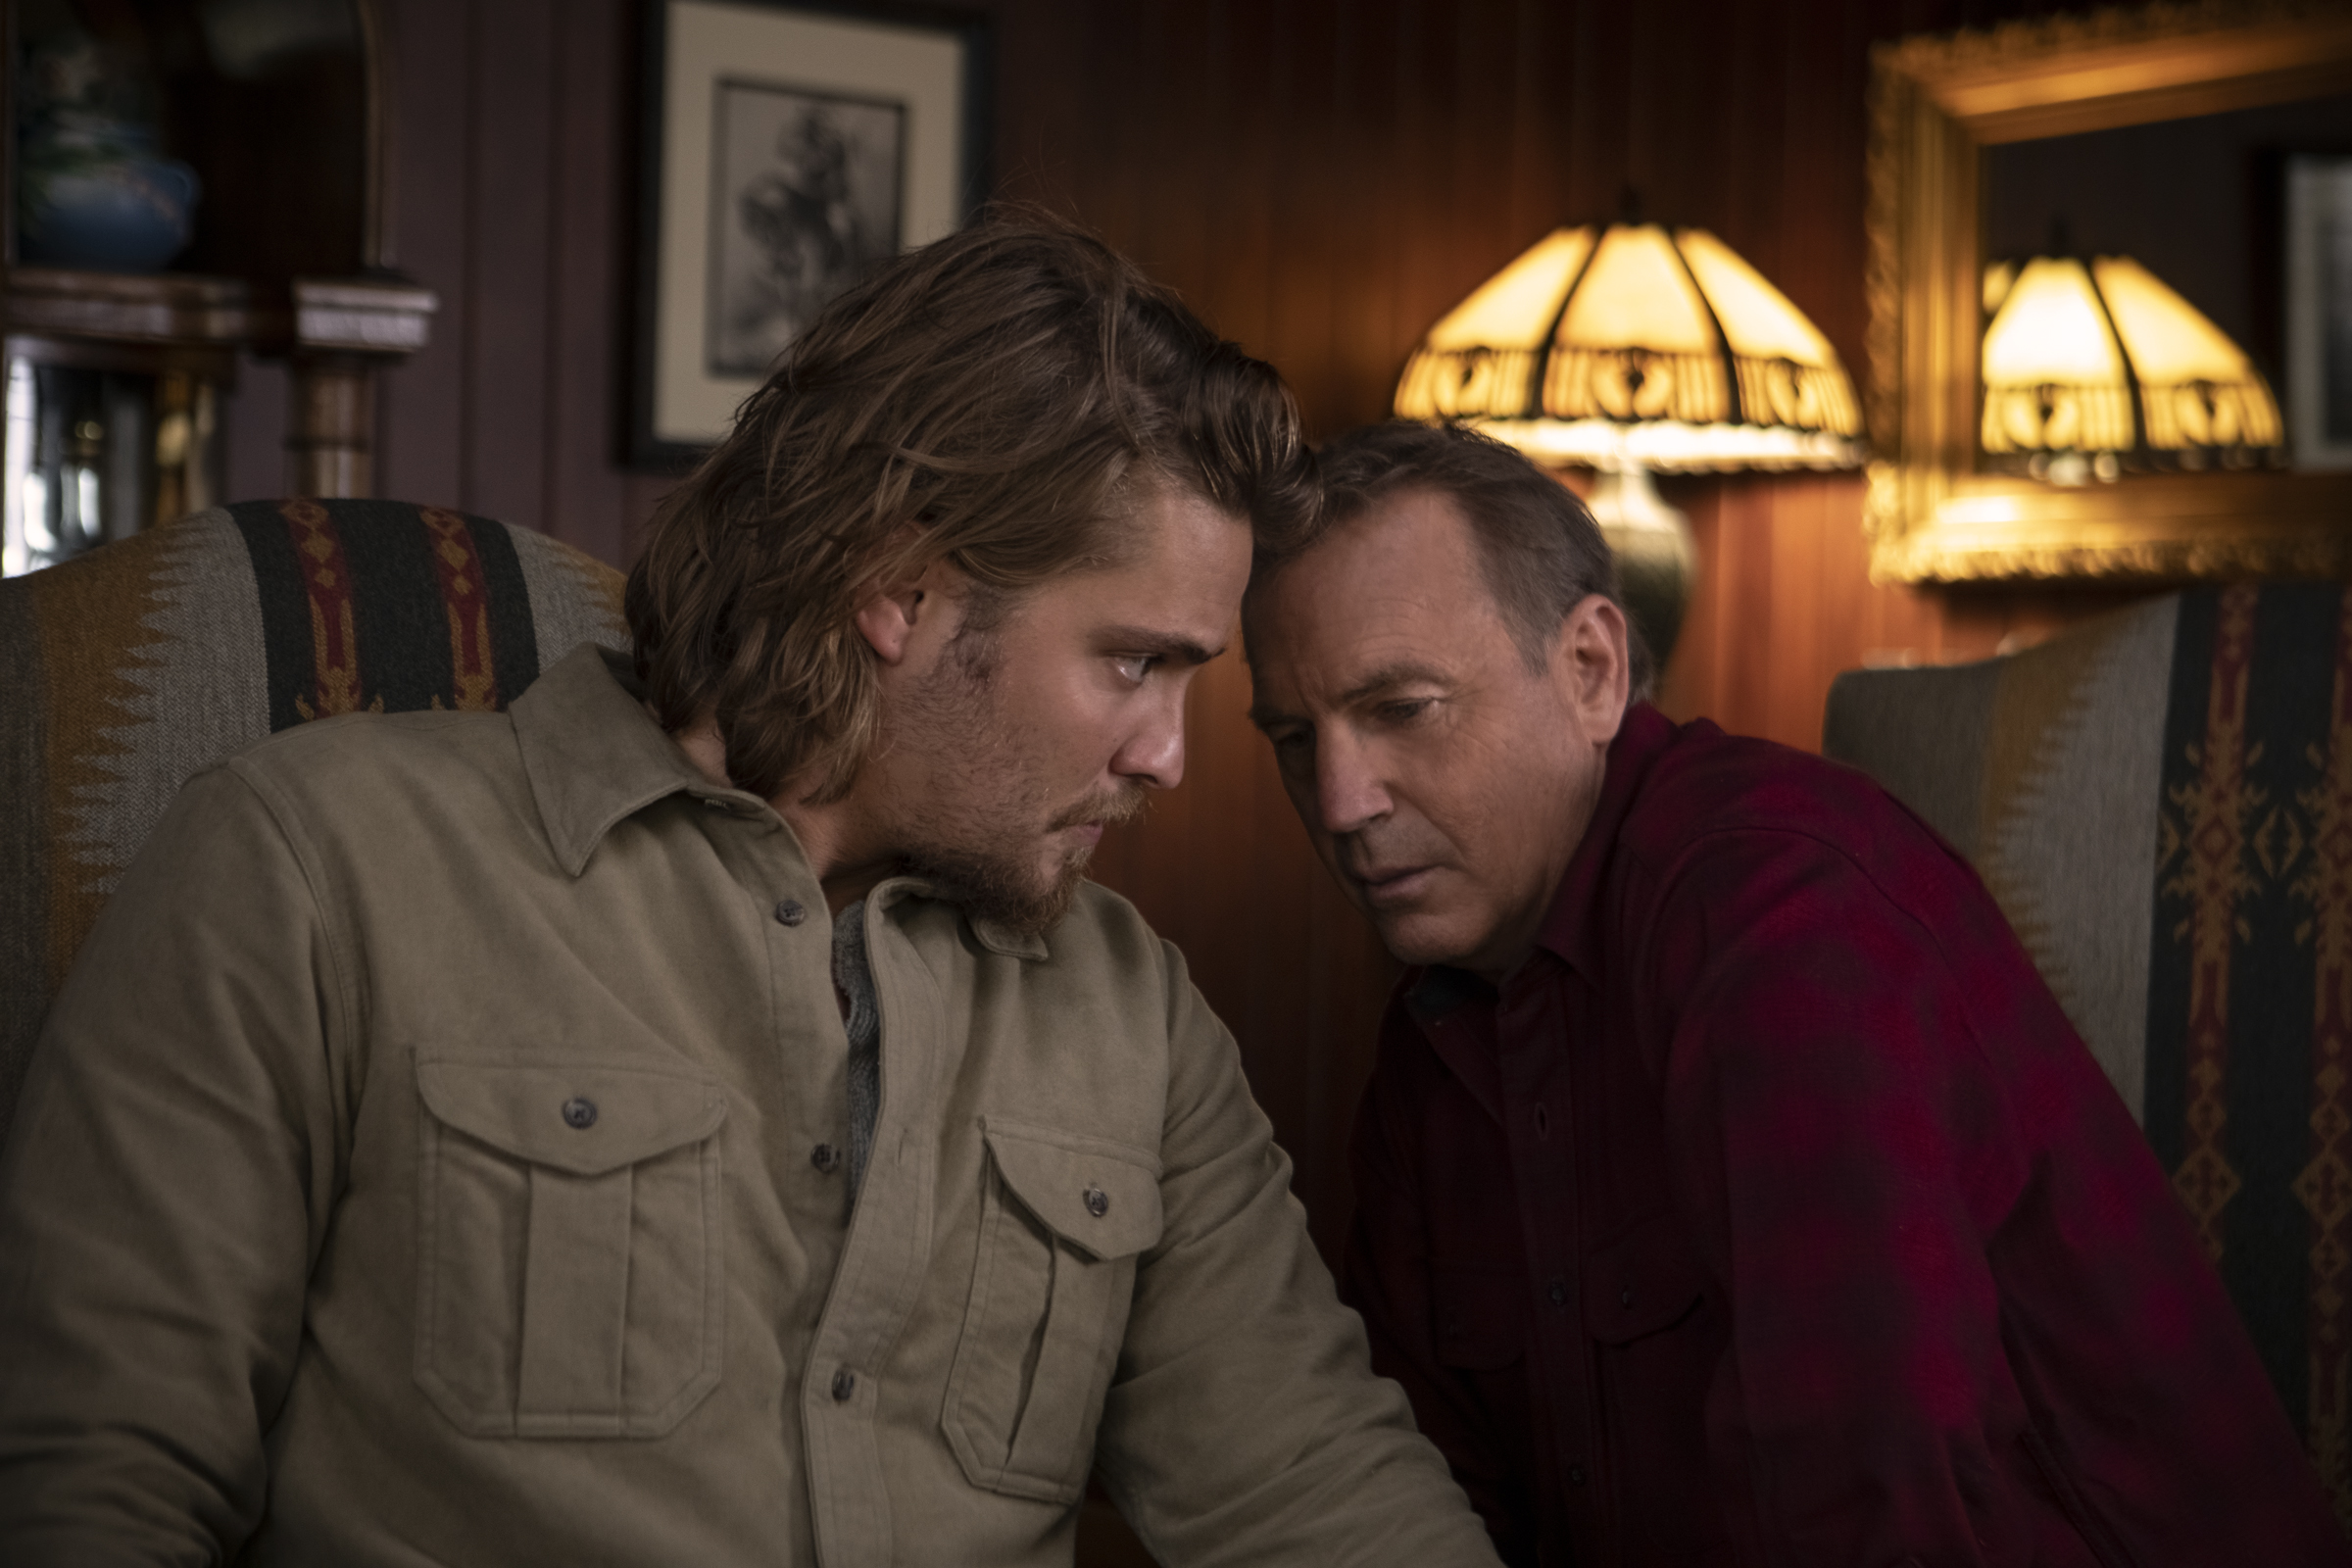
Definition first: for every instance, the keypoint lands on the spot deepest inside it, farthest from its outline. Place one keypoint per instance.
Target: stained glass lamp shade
(2092, 367)
(1601, 346)
(1631, 348)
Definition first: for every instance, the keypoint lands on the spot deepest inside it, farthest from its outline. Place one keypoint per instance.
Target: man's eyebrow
(1265, 718)
(1403, 672)
(1159, 644)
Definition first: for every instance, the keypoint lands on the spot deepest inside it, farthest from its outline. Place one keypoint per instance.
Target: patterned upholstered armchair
(2161, 804)
(128, 669)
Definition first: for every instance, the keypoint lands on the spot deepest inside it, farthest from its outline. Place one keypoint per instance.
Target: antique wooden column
(344, 331)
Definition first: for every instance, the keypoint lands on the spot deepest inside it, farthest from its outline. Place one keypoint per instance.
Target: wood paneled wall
(1321, 179)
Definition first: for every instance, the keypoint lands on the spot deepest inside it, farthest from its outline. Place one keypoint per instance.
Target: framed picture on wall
(2319, 310)
(787, 148)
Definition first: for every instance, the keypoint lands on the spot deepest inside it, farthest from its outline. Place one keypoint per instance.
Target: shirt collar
(1570, 931)
(1570, 928)
(595, 757)
(995, 938)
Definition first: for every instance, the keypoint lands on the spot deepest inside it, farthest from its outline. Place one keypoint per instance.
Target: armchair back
(128, 669)
(2161, 803)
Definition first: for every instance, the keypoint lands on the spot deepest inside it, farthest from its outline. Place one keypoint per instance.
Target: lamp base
(1657, 560)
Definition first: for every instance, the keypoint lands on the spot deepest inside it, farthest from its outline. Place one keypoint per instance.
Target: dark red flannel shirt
(1772, 1213)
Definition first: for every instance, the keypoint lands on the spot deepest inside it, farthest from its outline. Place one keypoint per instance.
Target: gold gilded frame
(1935, 104)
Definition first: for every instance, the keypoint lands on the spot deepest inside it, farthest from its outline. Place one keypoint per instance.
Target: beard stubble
(980, 843)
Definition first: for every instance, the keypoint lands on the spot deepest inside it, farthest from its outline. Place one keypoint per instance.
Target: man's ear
(1593, 667)
(894, 606)
(888, 617)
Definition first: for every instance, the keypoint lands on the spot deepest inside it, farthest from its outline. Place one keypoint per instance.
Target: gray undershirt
(863, 1020)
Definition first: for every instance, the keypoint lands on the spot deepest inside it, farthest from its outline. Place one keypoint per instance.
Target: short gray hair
(1541, 552)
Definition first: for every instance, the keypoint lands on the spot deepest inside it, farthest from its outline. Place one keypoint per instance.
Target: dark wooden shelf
(291, 240)
(174, 309)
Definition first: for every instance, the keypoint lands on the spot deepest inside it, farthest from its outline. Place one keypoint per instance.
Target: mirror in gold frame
(1934, 514)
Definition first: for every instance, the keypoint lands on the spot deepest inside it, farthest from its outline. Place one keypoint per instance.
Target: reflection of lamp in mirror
(1634, 348)
(2095, 369)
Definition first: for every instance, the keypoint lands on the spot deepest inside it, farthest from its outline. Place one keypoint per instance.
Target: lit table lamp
(2095, 369)
(1631, 349)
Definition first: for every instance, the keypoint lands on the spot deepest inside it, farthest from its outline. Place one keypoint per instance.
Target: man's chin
(1419, 937)
(1019, 898)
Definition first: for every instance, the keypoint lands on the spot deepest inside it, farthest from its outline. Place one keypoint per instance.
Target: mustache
(1363, 851)
(1109, 808)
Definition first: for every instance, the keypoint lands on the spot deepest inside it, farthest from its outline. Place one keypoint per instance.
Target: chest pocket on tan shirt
(1060, 1224)
(569, 1264)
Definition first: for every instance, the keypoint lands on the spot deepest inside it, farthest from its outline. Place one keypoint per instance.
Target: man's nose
(1348, 794)
(1153, 756)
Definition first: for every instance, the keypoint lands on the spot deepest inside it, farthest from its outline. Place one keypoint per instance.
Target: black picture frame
(820, 136)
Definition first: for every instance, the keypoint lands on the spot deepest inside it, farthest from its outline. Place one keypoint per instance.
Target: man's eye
(1404, 710)
(1133, 667)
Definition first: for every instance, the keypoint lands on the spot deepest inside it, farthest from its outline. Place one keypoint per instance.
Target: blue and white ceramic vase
(95, 194)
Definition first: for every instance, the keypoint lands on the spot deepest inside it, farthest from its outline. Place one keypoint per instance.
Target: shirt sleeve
(1965, 1301)
(1842, 1152)
(1245, 1423)
(164, 1192)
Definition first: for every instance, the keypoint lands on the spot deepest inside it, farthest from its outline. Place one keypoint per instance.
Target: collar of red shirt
(1568, 932)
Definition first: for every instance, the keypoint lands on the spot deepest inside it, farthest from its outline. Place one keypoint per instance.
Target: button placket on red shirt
(1532, 1051)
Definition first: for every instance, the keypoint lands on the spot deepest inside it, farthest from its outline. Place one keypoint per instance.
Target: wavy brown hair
(1010, 391)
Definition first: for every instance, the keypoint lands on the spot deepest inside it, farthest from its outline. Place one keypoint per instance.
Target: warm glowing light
(1634, 343)
(1637, 295)
(2052, 328)
(2103, 359)
(1757, 319)
(2197, 387)
(1668, 445)
(1515, 307)
(1999, 276)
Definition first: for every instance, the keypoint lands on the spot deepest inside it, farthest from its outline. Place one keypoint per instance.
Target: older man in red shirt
(1730, 1189)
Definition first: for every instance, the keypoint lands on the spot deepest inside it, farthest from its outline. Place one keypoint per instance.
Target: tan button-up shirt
(423, 1163)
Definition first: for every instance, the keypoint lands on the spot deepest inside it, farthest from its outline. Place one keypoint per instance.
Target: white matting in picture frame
(788, 148)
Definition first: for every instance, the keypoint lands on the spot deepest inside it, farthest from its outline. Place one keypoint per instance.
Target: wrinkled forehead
(1397, 583)
(1180, 574)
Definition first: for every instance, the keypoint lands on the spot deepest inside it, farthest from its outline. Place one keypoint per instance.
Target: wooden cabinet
(114, 378)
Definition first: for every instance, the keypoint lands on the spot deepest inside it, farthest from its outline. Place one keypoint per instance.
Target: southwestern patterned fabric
(2161, 804)
(128, 669)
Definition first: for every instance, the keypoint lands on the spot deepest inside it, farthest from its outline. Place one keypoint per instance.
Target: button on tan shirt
(421, 1163)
